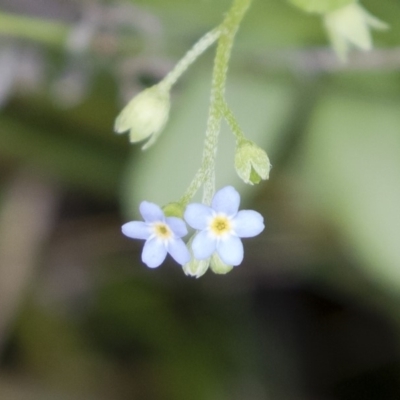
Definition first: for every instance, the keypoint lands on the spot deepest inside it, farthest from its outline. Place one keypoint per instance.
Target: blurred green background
(313, 311)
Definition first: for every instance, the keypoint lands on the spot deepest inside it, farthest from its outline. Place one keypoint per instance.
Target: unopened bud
(145, 115)
(251, 162)
(196, 268)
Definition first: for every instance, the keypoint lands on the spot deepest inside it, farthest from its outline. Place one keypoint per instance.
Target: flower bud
(251, 162)
(218, 266)
(350, 26)
(320, 6)
(145, 115)
(196, 268)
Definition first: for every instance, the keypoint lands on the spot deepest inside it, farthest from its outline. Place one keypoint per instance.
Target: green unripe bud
(218, 266)
(251, 162)
(321, 6)
(145, 115)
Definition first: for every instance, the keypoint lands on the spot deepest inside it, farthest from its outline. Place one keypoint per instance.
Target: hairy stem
(190, 57)
(206, 174)
(233, 124)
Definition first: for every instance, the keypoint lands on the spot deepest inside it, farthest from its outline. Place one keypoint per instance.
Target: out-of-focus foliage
(313, 310)
(320, 6)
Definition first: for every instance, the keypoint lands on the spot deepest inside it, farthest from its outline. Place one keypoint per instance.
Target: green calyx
(174, 209)
(218, 266)
(320, 6)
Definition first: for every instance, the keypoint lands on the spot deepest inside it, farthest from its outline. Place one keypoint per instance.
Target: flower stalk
(146, 115)
(219, 224)
(190, 57)
(205, 174)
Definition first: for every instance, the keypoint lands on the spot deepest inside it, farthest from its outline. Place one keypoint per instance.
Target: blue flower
(221, 226)
(162, 235)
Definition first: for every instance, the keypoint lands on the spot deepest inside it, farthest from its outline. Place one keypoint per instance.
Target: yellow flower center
(162, 230)
(220, 225)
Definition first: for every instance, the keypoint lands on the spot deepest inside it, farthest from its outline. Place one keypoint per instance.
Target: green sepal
(174, 209)
(218, 266)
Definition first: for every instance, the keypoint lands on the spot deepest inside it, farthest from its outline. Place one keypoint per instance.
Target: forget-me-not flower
(162, 235)
(221, 226)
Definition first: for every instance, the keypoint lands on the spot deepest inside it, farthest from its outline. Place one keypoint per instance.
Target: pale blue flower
(162, 235)
(221, 226)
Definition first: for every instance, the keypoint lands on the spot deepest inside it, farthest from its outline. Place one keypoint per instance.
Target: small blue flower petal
(203, 245)
(230, 250)
(248, 223)
(136, 230)
(154, 253)
(177, 226)
(226, 200)
(151, 212)
(179, 251)
(197, 215)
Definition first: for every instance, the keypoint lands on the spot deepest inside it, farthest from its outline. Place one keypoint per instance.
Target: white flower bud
(251, 162)
(350, 26)
(145, 115)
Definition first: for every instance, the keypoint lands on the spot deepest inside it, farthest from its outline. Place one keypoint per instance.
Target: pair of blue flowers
(220, 228)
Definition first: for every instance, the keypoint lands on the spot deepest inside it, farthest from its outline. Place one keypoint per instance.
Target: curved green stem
(233, 124)
(190, 57)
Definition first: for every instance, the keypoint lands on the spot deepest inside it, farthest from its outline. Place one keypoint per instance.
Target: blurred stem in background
(37, 29)
(27, 218)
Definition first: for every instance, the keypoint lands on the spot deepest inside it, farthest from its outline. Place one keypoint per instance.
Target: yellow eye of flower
(220, 225)
(162, 231)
